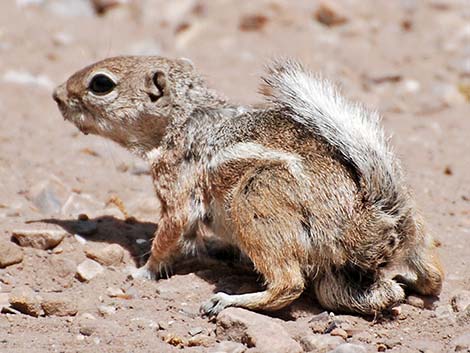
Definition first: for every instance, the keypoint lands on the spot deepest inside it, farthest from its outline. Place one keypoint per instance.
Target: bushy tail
(348, 127)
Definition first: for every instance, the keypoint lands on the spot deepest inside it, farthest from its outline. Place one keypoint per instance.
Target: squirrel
(307, 186)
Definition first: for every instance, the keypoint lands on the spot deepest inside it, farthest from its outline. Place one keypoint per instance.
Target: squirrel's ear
(157, 85)
(187, 63)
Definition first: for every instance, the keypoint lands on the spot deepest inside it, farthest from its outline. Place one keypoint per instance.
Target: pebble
(255, 330)
(108, 255)
(114, 292)
(349, 348)
(463, 318)
(228, 347)
(195, 331)
(461, 343)
(77, 204)
(320, 323)
(25, 300)
(39, 238)
(10, 253)
(62, 39)
(57, 304)
(87, 328)
(199, 340)
(320, 343)
(421, 302)
(80, 239)
(330, 14)
(88, 269)
(339, 332)
(70, 8)
(163, 325)
(102, 6)
(26, 78)
(4, 302)
(106, 310)
(460, 301)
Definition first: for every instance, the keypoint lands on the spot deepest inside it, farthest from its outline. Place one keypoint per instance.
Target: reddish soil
(409, 59)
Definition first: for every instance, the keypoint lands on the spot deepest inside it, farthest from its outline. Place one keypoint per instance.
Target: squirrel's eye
(101, 84)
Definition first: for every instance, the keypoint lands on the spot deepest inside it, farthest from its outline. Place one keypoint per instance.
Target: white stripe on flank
(250, 150)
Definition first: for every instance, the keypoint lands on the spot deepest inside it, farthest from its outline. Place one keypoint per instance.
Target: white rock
(349, 348)
(228, 347)
(39, 238)
(108, 255)
(461, 300)
(320, 343)
(253, 329)
(89, 269)
(106, 310)
(26, 78)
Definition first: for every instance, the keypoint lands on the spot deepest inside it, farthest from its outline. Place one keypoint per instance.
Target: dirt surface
(410, 59)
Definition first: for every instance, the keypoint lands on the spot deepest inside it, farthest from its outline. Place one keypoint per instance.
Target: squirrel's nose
(59, 95)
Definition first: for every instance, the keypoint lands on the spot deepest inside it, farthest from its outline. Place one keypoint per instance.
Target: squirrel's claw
(215, 304)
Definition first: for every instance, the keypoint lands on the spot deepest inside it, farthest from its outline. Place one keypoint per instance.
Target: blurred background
(410, 59)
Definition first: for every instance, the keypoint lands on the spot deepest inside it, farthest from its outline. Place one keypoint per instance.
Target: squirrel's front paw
(144, 273)
(216, 304)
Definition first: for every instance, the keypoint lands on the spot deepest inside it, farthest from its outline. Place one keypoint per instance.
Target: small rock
(422, 302)
(463, 318)
(461, 343)
(62, 39)
(10, 253)
(4, 302)
(255, 330)
(330, 14)
(25, 78)
(253, 22)
(70, 8)
(39, 239)
(49, 195)
(195, 331)
(102, 6)
(320, 343)
(77, 204)
(25, 300)
(87, 327)
(80, 239)
(112, 254)
(106, 310)
(339, 332)
(58, 305)
(415, 301)
(199, 340)
(349, 348)
(381, 347)
(89, 269)
(228, 347)
(83, 217)
(460, 301)
(114, 292)
(320, 323)
(163, 325)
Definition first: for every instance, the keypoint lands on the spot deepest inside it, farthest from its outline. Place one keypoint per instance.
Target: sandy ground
(410, 59)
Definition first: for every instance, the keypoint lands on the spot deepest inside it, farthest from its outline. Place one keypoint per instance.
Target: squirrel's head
(131, 99)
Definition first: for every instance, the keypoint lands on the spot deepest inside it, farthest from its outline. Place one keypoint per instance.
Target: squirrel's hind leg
(424, 263)
(338, 291)
(266, 227)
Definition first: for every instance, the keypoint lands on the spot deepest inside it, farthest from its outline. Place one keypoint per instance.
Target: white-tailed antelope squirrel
(306, 187)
